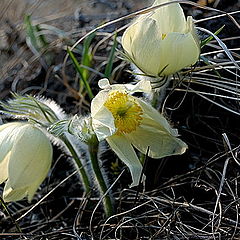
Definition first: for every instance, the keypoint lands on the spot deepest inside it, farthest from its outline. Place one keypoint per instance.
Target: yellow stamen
(125, 110)
(163, 35)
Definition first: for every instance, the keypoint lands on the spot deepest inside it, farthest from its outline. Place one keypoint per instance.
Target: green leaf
(79, 70)
(210, 38)
(30, 31)
(87, 56)
(33, 33)
(37, 41)
(108, 69)
(41, 38)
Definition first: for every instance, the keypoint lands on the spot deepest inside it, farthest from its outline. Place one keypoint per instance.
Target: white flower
(25, 159)
(126, 121)
(162, 42)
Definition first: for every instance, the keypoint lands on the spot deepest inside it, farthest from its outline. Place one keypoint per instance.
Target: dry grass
(195, 196)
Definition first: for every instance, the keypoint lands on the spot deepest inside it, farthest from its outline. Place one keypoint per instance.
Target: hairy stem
(159, 95)
(93, 151)
(82, 172)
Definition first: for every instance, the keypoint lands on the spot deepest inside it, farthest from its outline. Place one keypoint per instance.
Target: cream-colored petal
(141, 86)
(169, 18)
(160, 144)
(11, 195)
(4, 168)
(104, 83)
(30, 158)
(124, 150)
(127, 38)
(103, 123)
(9, 125)
(190, 28)
(7, 137)
(180, 50)
(154, 119)
(31, 190)
(5, 147)
(155, 132)
(147, 48)
(98, 101)
(8, 133)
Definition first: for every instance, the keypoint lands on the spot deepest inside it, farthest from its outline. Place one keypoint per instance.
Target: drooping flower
(162, 42)
(126, 121)
(25, 159)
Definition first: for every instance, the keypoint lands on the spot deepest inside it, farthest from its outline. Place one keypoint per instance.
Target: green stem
(93, 151)
(83, 174)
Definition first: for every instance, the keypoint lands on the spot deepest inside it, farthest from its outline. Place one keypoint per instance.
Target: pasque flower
(25, 159)
(126, 121)
(162, 42)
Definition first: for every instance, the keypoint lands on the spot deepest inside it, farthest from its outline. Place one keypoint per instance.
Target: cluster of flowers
(158, 43)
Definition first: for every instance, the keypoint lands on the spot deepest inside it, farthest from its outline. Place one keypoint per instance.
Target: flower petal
(10, 194)
(190, 28)
(4, 168)
(162, 42)
(30, 158)
(98, 101)
(160, 144)
(179, 51)
(147, 48)
(124, 150)
(141, 86)
(127, 38)
(156, 133)
(7, 137)
(31, 190)
(104, 83)
(103, 123)
(102, 119)
(153, 118)
(169, 18)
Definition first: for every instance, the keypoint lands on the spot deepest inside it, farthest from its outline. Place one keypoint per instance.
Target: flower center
(125, 110)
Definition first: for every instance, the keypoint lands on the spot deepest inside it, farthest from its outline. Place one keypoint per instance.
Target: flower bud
(81, 127)
(162, 42)
(25, 159)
